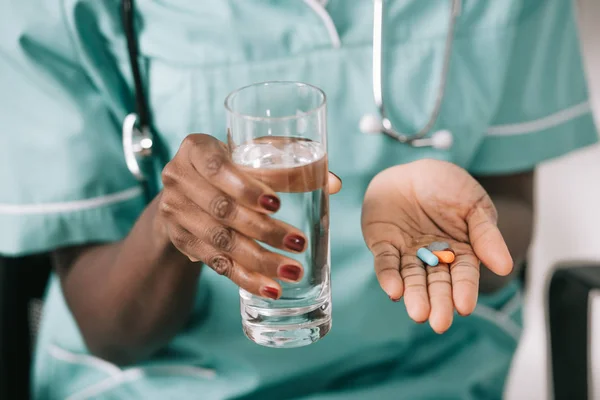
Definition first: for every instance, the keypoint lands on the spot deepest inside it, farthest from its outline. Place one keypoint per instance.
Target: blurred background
(567, 228)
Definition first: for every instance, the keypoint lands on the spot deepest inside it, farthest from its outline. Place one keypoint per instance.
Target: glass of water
(277, 132)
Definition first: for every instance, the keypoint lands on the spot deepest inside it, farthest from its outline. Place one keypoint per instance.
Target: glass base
(286, 327)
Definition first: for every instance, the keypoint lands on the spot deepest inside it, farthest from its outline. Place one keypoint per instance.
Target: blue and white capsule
(427, 257)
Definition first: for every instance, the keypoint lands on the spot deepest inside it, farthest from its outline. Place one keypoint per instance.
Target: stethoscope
(441, 139)
(144, 154)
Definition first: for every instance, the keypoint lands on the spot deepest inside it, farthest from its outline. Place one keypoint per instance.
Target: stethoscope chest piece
(137, 146)
(372, 124)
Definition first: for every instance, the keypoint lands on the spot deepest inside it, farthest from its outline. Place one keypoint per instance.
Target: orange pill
(445, 256)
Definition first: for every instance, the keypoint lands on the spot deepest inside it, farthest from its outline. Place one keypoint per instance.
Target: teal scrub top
(516, 96)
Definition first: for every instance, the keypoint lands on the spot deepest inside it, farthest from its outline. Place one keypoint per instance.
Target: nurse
(131, 313)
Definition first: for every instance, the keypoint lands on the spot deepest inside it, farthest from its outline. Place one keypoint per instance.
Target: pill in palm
(438, 246)
(445, 256)
(427, 257)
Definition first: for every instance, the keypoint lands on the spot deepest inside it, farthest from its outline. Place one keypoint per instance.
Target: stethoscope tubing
(386, 124)
(143, 153)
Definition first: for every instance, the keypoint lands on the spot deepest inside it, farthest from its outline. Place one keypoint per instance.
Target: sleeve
(544, 111)
(63, 178)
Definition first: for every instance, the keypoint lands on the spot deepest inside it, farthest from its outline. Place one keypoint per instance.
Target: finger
(222, 264)
(416, 298)
(387, 269)
(335, 183)
(251, 281)
(488, 243)
(440, 295)
(465, 283)
(241, 249)
(250, 223)
(384, 240)
(211, 160)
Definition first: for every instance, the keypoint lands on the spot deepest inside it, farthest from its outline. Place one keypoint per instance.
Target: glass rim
(249, 117)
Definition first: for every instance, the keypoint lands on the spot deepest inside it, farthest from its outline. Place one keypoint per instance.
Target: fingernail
(289, 272)
(294, 242)
(340, 179)
(270, 292)
(394, 300)
(269, 203)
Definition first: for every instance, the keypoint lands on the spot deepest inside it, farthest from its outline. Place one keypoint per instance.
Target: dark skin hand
(131, 297)
(409, 206)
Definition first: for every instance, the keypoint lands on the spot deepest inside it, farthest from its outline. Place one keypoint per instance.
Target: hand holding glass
(277, 133)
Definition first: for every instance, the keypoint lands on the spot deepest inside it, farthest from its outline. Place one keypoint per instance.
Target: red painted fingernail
(289, 272)
(270, 292)
(294, 242)
(394, 300)
(269, 203)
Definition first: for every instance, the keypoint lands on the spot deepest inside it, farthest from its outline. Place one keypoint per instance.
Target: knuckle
(463, 266)
(415, 286)
(261, 226)
(191, 141)
(179, 238)
(166, 205)
(438, 271)
(387, 269)
(171, 203)
(165, 208)
(387, 254)
(214, 163)
(171, 174)
(438, 284)
(223, 207)
(412, 266)
(267, 230)
(223, 238)
(196, 144)
(222, 265)
(474, 283)
(167, 175)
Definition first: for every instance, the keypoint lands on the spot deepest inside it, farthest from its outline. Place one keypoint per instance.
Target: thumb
(487, 241)
(335, 183)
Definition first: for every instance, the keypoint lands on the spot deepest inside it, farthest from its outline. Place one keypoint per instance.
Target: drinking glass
(277, 132)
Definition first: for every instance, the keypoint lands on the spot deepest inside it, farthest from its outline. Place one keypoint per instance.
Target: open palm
(409, 206)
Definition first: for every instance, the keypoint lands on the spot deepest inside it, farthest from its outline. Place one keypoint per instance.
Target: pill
(427, 257)
(438, 246)
(445, 256)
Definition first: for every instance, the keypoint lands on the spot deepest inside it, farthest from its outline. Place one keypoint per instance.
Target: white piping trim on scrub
(70, 206)
(541, 124)
(107, 384)
(319, 8)
(117, 376)
(84, 359)
(499, 319)
(133, 374)
(513, 304)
